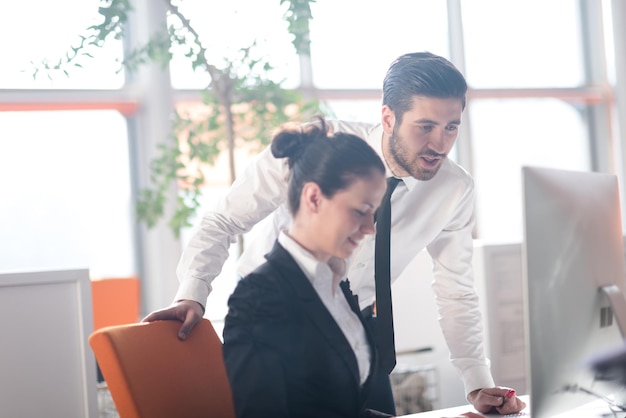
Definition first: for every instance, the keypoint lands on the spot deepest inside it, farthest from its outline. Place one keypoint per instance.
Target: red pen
(508, 396)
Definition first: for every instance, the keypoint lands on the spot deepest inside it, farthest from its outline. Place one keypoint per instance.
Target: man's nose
(439, 141)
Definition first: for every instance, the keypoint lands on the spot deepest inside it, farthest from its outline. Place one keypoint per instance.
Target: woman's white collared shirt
(326, 285)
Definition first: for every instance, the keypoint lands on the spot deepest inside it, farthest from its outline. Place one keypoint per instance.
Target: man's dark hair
(421, 74)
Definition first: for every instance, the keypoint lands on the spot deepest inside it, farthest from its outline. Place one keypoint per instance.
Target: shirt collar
(312, 268)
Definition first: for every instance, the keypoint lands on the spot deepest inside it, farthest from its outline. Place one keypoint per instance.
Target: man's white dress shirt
(437, 214)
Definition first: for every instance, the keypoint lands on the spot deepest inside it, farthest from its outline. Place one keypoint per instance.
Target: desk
(458, 410)
(595, 409)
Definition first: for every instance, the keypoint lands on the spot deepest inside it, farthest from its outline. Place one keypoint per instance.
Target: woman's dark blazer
(285, 354)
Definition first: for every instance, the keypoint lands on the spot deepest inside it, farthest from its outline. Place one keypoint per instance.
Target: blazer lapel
(294, 279)
(350, 297)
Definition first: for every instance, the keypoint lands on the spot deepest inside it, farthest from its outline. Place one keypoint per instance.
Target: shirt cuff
(193, 289)
(477, 377)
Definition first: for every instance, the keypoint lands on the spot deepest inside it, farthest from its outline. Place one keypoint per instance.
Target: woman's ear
(311, 197)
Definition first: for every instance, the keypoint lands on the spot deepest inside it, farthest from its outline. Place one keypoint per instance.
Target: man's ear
(311, 197)
(388, 120)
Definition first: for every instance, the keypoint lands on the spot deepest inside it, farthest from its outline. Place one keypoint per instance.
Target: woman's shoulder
(259, 290)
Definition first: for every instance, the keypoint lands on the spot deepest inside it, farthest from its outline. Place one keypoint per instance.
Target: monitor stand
(618, 304)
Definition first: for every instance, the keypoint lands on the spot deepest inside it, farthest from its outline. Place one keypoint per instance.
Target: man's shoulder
(454, 171)
(362, 129)
(452, 180)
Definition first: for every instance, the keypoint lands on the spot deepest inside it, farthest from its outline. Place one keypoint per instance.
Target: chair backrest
(150, 373)
(115, 301)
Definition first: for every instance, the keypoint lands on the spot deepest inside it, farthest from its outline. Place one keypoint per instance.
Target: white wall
(498, 276)
(416, 327)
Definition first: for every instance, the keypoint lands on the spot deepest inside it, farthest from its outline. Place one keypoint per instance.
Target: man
(432, 208)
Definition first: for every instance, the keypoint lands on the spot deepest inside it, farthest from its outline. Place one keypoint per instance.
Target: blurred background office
(547, 87)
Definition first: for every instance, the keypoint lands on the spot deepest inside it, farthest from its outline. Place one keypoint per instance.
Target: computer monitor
(574, 281)
(47, 368)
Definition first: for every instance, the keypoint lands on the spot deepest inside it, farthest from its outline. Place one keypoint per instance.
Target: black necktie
(382, 275)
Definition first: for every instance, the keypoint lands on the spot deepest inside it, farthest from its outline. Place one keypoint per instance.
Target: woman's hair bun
(292, 142)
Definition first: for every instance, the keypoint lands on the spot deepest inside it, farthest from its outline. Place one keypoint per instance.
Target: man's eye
(452, 127)
(427, 128)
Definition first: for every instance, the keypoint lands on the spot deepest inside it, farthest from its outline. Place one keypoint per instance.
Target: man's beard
(410, 163)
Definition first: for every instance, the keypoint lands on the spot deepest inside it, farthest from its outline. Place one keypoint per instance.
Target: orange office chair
(152, 374)
(115, 301)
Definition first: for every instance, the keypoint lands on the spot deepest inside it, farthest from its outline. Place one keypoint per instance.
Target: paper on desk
(477, 415)
(467, 415)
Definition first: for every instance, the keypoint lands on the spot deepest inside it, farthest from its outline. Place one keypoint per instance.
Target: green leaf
(248, 89)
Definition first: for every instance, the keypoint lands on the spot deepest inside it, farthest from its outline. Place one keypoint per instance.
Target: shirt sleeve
(360, 129)
(457, 301)
(256, 193)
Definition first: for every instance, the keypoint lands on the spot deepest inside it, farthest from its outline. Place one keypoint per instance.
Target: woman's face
(345, 218)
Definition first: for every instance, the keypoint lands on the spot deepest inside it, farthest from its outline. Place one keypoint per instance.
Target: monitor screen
(574, 281)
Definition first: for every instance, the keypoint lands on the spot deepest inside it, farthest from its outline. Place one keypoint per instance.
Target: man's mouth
(430, 161)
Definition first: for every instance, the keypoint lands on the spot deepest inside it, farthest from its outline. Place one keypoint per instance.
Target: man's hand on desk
(499, 399)
(188, 312)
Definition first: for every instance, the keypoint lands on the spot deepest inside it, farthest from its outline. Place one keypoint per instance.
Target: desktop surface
(594, 409)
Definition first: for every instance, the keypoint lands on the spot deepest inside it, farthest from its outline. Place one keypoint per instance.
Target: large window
(36, 32)
(533, 103)
(354, 41)
(510, 133)
(64, 171)
(66, 200)
(530, 44)
(540, 73)
(237, 24)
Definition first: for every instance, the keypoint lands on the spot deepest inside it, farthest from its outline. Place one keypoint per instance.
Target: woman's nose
(368, 226)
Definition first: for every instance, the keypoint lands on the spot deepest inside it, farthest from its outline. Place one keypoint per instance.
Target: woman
(295, 344)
